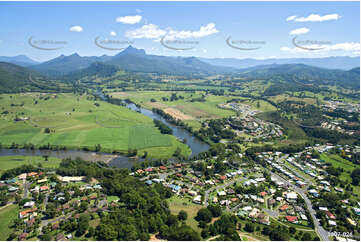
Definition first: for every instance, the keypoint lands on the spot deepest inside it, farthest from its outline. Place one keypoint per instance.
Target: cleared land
(7, 215)
(187, 107)
(177, 204)
(347, 166)
(10, 162)
(78, 121)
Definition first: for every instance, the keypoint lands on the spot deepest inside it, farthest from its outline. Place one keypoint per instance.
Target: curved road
(319, 229)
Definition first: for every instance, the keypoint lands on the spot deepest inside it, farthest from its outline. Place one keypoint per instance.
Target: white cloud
(152, 31)
(291, 18)
(76, 28)
(299, 31)
(129, 19)
(315, 18)
(352, 47)
(138, 10)
(148, 31)
(347, 46)
(113, 33)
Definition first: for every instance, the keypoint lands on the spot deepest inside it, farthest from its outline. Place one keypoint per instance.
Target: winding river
(196, 145)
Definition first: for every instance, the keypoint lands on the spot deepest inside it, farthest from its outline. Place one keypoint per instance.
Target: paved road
(46, 201)
(272, 213)
(45, 222)
(235, 208)
(221, 186)
(319, 229)
(26, 187)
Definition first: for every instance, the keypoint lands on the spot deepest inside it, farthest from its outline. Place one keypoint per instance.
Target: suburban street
(319, 229)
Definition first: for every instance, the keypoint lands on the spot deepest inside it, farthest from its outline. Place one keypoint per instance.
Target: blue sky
(203, 27)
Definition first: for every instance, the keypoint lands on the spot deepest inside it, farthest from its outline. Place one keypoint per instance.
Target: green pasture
(10, 162)
(79, 121)
(197, 110)
(7, 214)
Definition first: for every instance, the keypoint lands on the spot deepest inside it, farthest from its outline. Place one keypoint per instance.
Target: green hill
(14, 78)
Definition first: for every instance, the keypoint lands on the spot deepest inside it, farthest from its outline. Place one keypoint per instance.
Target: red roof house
(284, 207)
(330, 215)
(291, 219)
(263, 194)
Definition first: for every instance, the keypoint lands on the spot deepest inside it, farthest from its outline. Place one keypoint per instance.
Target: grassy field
(7, 215)
(348, 167)
(9, 162)
(286, 97)
(190, 112)
(176, 204)
(78, 121)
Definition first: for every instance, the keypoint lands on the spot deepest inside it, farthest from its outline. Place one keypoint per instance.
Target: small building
(71, 178)
(22, 176)
(44, 188)
(284, 207)
(23, 236)
(163, 168)
(263, 194)
(332, 223)
(351, 222)
(222, 178)
(32, 174)
(291, 219)
(330, 215)
(303, 217)
(198, 199)
(42, 180)
(29, 204)
(139, 171)
(291, 196)
(149, 169)
(247, 208)
(12, 189)
(192, 193)
(221, 193)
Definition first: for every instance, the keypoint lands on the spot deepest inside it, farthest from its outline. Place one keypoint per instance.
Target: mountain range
(133, 60)
(334, 62)
(20, 60)
(74, 67)
(137, 60)
(305, 74)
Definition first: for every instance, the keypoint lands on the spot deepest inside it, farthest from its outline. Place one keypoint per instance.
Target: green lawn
(348, 167)
(7, 215)
(76, 122)
(177, 204)
(9, 162)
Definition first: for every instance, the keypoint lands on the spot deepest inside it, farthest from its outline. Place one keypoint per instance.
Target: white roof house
(221, 193)
(29, 204)
(247, 208)
(291, 195)
(198, 199)
(331, 223)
